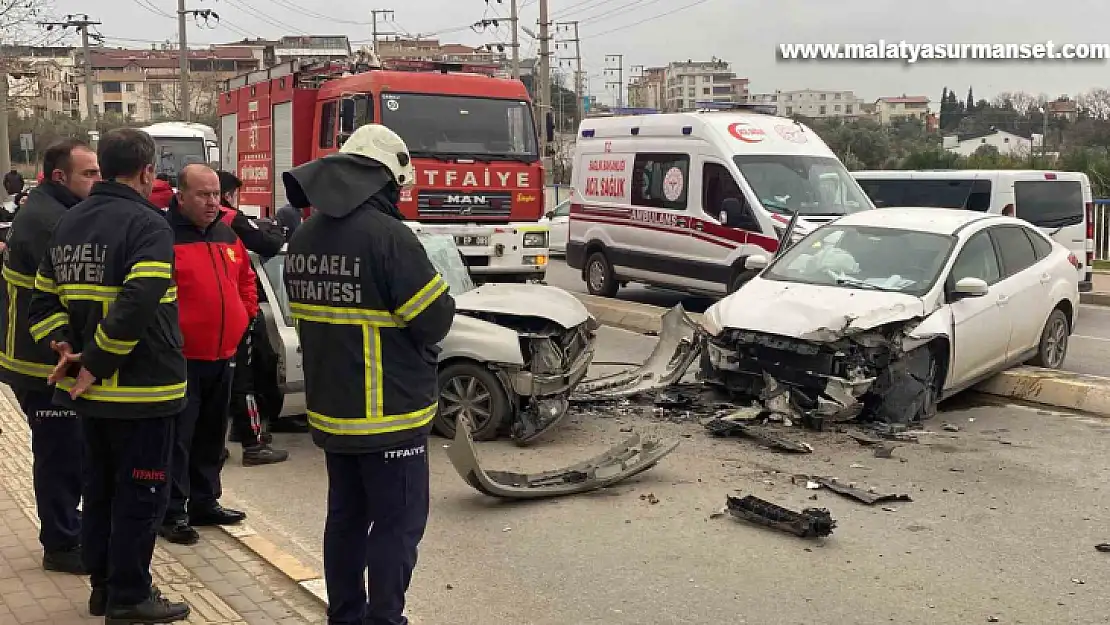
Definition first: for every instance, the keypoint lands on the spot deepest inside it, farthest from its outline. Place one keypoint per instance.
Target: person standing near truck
(378, 320)
(56, 441)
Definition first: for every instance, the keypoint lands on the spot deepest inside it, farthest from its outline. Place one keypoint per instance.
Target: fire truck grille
(451, 204)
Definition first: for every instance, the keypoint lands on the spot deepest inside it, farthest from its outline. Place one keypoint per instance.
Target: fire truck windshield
(483, 129)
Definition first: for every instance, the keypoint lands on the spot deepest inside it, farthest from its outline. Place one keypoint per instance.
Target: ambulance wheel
(470, 389)
(599, 276)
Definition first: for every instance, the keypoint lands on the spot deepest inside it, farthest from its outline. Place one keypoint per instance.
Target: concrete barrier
(1061, 389)
(1095, 298)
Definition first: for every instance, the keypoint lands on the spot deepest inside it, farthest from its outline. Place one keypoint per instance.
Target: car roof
(935, 220)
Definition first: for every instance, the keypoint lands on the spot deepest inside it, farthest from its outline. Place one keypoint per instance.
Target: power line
(250, 10)
(150, 7)
(646, 19)
(570, 9)
(320, 16)
(638, 4)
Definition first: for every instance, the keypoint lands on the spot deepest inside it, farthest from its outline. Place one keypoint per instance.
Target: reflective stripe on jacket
(105, 285)
(370, 308)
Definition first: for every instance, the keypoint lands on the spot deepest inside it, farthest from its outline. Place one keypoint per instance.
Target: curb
(1095, 298)
(308, 578)
(1060, 389)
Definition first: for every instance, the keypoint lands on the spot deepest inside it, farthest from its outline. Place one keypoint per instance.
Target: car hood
(525, 300)
(810, 312)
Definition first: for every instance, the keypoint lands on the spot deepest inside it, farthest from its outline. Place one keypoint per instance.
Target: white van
(1060, 203)
(679, 200)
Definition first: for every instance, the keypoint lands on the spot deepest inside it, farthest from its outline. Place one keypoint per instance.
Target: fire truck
(473, 141)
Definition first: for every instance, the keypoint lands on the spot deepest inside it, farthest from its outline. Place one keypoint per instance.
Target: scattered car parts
(867, 497)
(622, 461)
(723, 427)
(809, 523)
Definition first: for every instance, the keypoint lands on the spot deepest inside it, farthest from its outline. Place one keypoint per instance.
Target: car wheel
(599, 276)
(471, 390)
(1053, 348)
(911, 388)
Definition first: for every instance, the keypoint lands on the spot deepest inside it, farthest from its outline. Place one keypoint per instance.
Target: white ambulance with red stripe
(679, 200)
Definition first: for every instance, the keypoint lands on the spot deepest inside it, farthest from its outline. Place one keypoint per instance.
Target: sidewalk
(223, 582)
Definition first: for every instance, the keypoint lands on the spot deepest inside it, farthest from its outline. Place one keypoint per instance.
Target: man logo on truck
(467, 199)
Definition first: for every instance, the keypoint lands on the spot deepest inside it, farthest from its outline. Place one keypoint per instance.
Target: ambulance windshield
(483, 129)
(172, 154)
(808, 185)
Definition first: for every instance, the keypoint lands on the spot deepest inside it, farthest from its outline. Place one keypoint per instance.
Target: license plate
(471, 241)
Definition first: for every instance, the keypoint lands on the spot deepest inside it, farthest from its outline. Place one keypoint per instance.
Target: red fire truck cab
(479, 176)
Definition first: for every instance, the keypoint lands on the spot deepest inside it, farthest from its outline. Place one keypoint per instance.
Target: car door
(560, 220)
(981, 333)
(1023, 295)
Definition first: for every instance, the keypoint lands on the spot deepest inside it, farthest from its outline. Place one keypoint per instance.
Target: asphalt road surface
(1005, 516)
(1088, 350)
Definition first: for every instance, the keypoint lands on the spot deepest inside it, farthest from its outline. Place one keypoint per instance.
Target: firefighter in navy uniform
(104, 300)
(370, 309)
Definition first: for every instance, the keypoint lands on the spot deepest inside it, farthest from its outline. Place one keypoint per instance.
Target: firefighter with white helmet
(370, 310)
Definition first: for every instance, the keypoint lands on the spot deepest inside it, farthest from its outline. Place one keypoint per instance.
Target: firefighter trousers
(201, 431)
(126, 492)
(247, 429)
(378, 500)
(58, 449)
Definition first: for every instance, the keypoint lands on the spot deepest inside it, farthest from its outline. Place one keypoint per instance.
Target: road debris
(869, 497)
(864, 439)
(884, 451)
(950, 427)
(650, 498)
(809, 523)
(622, 461)
(1103, 547)
(723, 428)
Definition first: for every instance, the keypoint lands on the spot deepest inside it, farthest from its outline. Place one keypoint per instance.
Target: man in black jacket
(70, 169)
(371, 309)
(105, 301)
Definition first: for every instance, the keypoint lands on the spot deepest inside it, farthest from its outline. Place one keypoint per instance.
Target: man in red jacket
(217, 297)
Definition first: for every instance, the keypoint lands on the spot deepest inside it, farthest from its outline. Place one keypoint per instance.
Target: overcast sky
(654, 32)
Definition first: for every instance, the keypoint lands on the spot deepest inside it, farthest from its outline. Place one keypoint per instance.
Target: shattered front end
(809, 380)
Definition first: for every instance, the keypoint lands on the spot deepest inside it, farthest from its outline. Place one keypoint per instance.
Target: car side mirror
(971, 287)
(755, 263)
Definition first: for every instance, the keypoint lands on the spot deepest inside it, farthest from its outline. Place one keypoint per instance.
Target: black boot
(216, 515)
(156, 609)
(68, 561)
(179, 532)
(98, 601)
(263, 454)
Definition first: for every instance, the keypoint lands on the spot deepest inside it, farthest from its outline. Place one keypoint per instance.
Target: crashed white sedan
(512, 356)
(882, 313)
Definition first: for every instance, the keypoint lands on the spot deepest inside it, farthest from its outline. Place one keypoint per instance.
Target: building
(901, 107)
(42, 81)
(813, 103)
(421, 49)
(1063, 108)
(691, 82)
(740, 92)
(648, 91)
(270, 52)
(143, 85)
(1007, 143)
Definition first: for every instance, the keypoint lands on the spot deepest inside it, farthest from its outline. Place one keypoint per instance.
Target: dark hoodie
(351, 260)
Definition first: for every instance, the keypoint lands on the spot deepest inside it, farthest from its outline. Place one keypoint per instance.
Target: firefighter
(247, 425)
(104, 301)
(217, 298)
(56, 442)
(370, 309)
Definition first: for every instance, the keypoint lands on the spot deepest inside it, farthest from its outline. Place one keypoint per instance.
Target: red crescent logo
(746, 132)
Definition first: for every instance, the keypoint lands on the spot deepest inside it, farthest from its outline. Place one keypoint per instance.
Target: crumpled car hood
(526, 300)
(810, 312)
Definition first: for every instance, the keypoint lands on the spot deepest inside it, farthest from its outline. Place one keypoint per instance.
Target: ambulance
(680, 200)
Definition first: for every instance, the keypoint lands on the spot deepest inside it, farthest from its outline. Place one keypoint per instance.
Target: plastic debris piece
(809, 523)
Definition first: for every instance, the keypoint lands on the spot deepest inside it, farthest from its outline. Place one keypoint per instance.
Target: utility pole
(619, 82)
(182, 62)
(577, 58)
(514, 23)
(545, 73)
(5, 149)
(81, 23)
(374, 13)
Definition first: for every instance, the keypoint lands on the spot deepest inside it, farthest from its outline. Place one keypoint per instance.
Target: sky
(746, 33)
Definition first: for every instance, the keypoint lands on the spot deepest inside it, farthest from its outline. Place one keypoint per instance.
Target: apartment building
(270, 52)
(42, 81)
(649, 90)
(890, 109)
(423, 49)
(144, 85)
(692, 82)
(813, 103)
(740, 89)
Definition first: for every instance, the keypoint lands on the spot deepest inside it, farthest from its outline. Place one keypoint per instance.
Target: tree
(970, 106)
(204, 99)
(1095, 103)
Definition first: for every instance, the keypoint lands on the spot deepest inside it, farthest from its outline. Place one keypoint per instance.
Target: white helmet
(385, 146)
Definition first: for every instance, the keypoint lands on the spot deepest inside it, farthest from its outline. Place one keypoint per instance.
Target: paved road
(1089, 350)
(1005, 516)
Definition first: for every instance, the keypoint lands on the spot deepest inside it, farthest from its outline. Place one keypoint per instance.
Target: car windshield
(440, 126)
(865, 257)
(174, 153)
(441, 249)
(808, 185)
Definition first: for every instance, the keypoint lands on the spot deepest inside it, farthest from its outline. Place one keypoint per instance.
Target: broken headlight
(546, 357)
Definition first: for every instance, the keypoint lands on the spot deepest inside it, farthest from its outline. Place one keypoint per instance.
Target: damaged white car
(885, 312)
(512, 356)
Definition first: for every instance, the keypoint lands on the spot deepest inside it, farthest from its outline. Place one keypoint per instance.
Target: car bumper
(528, 384)
(576, 254)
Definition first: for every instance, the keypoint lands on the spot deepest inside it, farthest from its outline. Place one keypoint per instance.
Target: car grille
(464, 204)
(574, 342)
